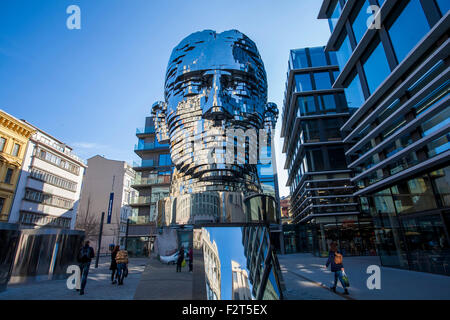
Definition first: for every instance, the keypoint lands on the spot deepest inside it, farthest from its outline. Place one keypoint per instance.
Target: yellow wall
(14, 132)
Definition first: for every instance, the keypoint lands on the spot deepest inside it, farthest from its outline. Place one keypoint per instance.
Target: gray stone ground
(98, 286)
(395, 283)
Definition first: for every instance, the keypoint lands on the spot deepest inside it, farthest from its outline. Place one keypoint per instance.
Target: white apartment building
(49, 186)
(106, 188)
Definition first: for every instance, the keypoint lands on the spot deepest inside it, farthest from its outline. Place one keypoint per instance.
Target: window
(322, 80)
(164, 160)
(328, 103)
(8, 176)
(311, 129)
(376, 68)
(306, 105)
(332, 129)
(359, 24)
(2, 143)
(303, 82)
(407, 30)
(299, 59)
(2, 203)
(334, 16)
(354, 93)
(344, 51)
(337, 158)
(16, 149)
(444, 6)
(318, 58)
(315, 160)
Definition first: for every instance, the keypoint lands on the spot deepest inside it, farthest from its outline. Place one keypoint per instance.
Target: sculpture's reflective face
(214, 83)
(224, 70)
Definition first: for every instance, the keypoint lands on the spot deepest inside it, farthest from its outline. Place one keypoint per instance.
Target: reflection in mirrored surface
(239, 264)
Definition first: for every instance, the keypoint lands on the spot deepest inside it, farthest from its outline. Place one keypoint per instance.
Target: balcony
(139, 181)
(145, 130)
(143, 163)
(141, 146)
(141, 201)
(142, 219)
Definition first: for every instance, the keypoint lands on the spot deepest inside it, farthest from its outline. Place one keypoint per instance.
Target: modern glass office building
(395, 75)
(322, 203)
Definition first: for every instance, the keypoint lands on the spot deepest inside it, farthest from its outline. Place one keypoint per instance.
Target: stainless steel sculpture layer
(216, 84)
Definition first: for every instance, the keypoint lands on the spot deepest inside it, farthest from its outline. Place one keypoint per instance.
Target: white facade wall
(39, 214)
(103, 177)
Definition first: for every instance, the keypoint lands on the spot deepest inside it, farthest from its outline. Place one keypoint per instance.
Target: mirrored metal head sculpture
(215, 83)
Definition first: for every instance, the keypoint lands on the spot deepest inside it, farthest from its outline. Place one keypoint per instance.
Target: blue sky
(92, 87)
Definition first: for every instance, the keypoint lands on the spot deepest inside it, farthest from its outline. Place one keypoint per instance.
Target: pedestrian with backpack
(113, 266)
(85, 256)
(335, 259)
(122, 262)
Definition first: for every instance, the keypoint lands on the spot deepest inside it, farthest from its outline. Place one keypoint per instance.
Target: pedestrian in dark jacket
(113, 266)
(180, 259)
(191, 257)
(335, 260)
(85, 256)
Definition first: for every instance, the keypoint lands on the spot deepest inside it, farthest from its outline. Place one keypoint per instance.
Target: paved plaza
(306, 278)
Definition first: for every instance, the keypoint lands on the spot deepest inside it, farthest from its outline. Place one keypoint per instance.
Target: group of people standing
(118, 266)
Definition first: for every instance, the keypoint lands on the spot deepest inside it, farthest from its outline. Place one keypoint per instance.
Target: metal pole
(126, 234)
(99, 240)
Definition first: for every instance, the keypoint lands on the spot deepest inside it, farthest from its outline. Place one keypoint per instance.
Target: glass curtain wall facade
(322, 203)
(397, 76)
(153, 174)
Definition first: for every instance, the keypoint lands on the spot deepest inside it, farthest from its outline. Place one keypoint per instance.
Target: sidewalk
(98, 286)
(160, 282)
(395, 283)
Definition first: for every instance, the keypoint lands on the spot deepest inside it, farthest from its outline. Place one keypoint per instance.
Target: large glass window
(16, 149)
(306, 105)
(328, 103)
(332, 129)
(318, 58)
(303, 82)
(376, 68)
(165, 160)
(354, 93)
(444, 6)
(337, 158)
(413, 196)
(2, 143)
(311, 129)
(299, 59)
(334, 17)
(441, 181)
(408, 29)
(315, 160)
(8, 176)
(322, 80)
(359, 24)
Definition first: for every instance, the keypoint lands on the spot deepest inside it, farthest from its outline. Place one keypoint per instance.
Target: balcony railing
(145, 130)
(141, 219)
(152, 180)
(143, 163)
(149, 146)
(141, 200)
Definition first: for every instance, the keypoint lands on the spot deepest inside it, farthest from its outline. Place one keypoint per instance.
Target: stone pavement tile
(160, 282)
(98, 286)
(395, 283)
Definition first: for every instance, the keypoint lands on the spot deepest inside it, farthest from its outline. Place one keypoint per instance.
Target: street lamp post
(99, 240)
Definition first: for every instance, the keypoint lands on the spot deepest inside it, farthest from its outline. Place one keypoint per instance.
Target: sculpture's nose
(215, 108)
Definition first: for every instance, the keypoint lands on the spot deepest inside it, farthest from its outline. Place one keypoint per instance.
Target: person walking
(335, 260)
(113, 266)
(122, 262)
(191, 256)
(180, 259)
(85, 256)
